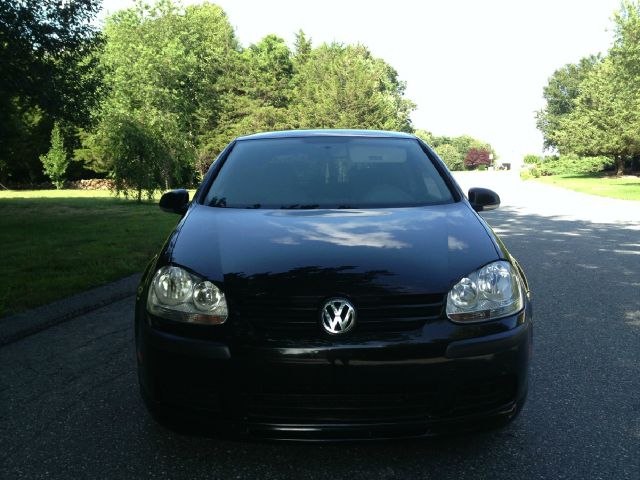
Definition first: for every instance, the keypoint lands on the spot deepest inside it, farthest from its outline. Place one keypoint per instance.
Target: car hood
(327, 252)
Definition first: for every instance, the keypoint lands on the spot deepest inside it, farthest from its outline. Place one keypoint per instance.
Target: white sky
(472, 66)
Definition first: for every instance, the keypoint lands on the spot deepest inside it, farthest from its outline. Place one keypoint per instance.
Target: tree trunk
(619, 165)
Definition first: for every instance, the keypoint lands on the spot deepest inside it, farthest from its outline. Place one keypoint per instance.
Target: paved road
(69, 405)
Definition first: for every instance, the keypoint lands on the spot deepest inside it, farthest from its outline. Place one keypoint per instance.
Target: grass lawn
(625, 188)
(57, 243)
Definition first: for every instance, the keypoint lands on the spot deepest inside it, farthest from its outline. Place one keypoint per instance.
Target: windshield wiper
(297, 206)
(218, 202)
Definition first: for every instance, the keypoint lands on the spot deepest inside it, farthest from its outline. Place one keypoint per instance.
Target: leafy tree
(602, 114)
(141, 160)
(166, 76)
(602, 122)
(55, 162)
(605, 120)
(453, 150)
(476, 157)
(563, 88)
(346, 87)
(44, 47)
(428, 137)
(451, 156)
(268, 71)
(302, 47)
(178, 77)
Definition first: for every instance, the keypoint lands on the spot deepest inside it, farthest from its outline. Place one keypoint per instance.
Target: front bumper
(405, 386)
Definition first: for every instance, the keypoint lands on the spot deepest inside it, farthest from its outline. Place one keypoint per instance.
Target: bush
(482, 168)
(524, 174)
(476, 157)
(55, 162)
(533, 159)
(529, 172)
(565, 164)
(450, 156)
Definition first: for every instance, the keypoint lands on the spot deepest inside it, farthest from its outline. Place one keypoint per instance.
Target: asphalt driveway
(69, 405)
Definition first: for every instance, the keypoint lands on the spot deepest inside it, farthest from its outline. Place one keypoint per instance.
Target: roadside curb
(21, 325)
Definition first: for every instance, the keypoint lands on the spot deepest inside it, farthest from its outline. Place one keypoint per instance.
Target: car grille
(300, 314)
(433, 404)
(361, 408)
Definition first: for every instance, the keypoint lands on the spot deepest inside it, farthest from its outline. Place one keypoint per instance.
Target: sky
(473, 67)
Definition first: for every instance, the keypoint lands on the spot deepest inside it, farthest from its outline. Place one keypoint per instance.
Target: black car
(332, 285)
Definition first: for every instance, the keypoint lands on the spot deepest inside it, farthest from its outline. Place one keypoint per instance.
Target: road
(69, 403)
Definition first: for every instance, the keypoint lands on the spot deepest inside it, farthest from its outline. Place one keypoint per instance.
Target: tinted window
(327, 172)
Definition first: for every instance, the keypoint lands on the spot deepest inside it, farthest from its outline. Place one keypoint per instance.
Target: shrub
(55, 162)
(533, 159)
(450, 156)
(524, 174)
(476, 157)
(565, 164)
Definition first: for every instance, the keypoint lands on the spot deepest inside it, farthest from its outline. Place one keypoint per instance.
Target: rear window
(327, 172)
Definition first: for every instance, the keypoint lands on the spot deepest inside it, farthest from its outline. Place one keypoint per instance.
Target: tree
(140, 158)
(476, 157)
(602, 122)
(451, 156)
(453, 150)
(563, 88)
(167, 71)
(44, 47)
(595, 110)
(428, 137)
(605, 118)
(268, 71)
(183, 73)
(302, 47)
(55, 162)
(347, 87)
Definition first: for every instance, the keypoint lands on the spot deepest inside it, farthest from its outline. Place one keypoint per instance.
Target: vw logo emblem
(338, 316)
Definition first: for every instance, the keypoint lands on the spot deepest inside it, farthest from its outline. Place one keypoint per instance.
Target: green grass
(625, 188)
(57, 243)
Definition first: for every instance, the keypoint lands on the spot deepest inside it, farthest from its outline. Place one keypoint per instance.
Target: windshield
(328, 172)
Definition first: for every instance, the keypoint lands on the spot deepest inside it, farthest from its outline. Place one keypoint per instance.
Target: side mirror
(175, 201)
(483, 199)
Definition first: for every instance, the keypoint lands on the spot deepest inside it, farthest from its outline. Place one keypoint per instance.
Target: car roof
(327, 133)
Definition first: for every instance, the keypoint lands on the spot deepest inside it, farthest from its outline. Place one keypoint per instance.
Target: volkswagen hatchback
(332, 285)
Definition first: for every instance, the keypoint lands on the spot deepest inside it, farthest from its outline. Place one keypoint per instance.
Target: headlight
(179, 295)
(492, 292)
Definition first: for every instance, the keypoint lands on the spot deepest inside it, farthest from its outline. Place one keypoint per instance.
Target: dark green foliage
(153, 99)
(571, 163)
(346, 87)
(47, 74)
(564, 164)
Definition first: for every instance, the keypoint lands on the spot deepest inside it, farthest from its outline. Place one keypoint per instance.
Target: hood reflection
(357, 232)
(348, 234)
